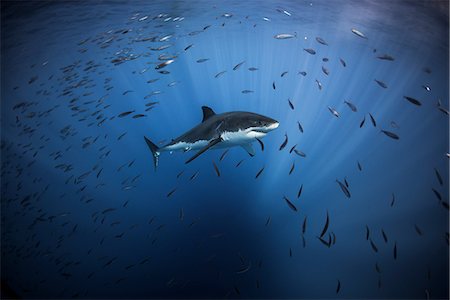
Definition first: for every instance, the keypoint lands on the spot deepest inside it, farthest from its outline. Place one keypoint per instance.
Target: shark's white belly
(229, 139)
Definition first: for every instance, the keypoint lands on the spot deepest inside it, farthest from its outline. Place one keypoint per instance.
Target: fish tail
(155, 151)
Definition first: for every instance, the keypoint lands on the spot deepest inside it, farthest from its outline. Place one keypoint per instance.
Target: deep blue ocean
(84, 214)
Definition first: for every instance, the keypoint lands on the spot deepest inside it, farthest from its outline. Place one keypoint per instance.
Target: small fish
(292, 149)
(202, 60)
(359, 33)
(292, 168)
(359, 166)
(290, 204)
(247, 91)
(283, 36)
(261, 144)
(325, 228)
(374, 123)
(319, 85)
(300, 191)
(333, 111)
(273, 85)
(171, 192)
(324, 242)
(239, 163)
(385, 57)
(164, 64)
(223, 155)
(244, 269)
(413, 101)
(180, 174)
(381, 83)
(284, 73)
(338, 288)
(303, 73)
(374, 247)
(299, 153)
(266, 19)
(126, 113)
(300, 127)
(304, 225)
(437, 194)
(362, 122)
(216, 169)
(393, 200)
(139, 116)
(325, 59)
(427, 88)
(310, 51)
(194, 175)
(343, 63)
(290, 104)
(390, 134)
(238, 65)
(344, 189)
(395, 250)
(321, 41)
(253, 69)
(188, 47)
(384, 236)
(418, 230)
(367, 232)
(259, 173)
(268, 221)
(325, 71)
(284, 143)
(394, 125)
(220, 74)
(351, 106)
(438, 176)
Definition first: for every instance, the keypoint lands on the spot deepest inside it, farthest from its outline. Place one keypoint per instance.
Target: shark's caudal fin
(154, 149)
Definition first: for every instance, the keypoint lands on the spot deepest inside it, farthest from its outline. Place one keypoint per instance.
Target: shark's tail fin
(154, 149)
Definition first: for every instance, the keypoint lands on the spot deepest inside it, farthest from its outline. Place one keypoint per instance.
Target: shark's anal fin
(201, 151)
(248, 147)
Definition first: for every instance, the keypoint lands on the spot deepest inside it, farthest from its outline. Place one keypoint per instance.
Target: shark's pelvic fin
(201, 151)
(154, 149)
(207, 113)
(249, 148)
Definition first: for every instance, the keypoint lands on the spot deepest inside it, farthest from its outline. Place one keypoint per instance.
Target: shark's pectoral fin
(201, 151)
(248, 147)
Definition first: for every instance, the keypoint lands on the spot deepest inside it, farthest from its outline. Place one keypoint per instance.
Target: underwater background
(358, 209)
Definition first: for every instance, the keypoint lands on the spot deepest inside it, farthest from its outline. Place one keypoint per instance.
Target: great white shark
(236, 128)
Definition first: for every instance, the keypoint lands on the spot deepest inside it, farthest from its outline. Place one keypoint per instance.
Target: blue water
(233, 236)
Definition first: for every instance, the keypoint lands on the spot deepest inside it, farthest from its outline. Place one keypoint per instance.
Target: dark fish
(292, 168)
(344, 189)
(126, 113)
(304, 225)
(223, 155)
(180, 174)
(338, 288)
(290, 104)
(284, 73)
(268, 221)
(194, 175)
(247, 91)
(445, 205)
(384, 236)
(342, 62)
(374, 247)
(220, 74)
(351, 105)
(300, 127)
(284, 143)
(238, 65)
(303, 73)
(259, 172)
(438, 176)
(325, 228)
(395, 250)
(239, 163)
(325, 71)
(188, 47)
(333, 111)
(300, 191)
(385, 57)
(273, 85)
(324, 242)
(377, 268)
(374, 123)
(412, 100)
(171, 192)
(216, 169)
(121, 136)
(346, 182)
(139, 116)
(290, 204)
(359, 166)
(292, 149)
(418, 230)
(390, 134)
(325, 59)
(261, 144)
(303, 241)
(393, 200)
(381, 83)
(438, 195)
(321, 41)
(310, 51)
(253, 69)
(290, 252)
(362, 122)
(202, 60)
(367, 232)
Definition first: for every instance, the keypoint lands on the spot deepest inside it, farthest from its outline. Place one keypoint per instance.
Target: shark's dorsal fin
(207, 113)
